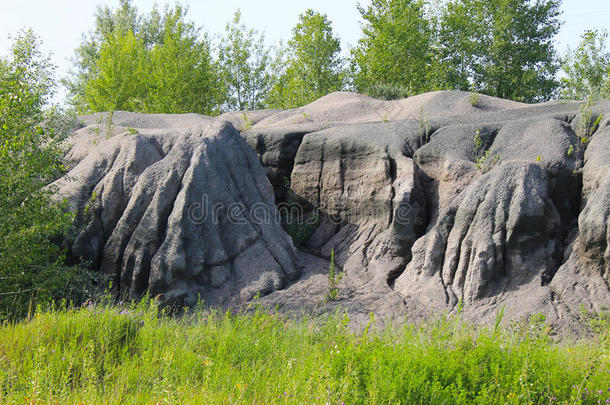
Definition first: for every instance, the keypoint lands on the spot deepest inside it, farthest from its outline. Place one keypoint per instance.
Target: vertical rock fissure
(392, 177)
(320, 173)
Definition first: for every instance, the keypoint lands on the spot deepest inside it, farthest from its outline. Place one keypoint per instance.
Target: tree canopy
(506, 47)
(503, 48)
(312, 66)
(244, 64)
(394, 54)
(162, 62)
(154, 63)
(587, 68)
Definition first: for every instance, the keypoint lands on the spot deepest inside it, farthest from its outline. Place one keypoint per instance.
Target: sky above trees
(60, 23)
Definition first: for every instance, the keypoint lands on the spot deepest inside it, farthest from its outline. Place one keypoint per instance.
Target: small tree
(182, 75)
(116, 83)
(503, 48)
(87, 55)
(311, 66)
(244, 67)
(587, 68)
(156, 63)
(394, 55)
(31, 267)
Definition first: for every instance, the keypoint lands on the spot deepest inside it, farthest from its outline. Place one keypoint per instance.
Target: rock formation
(168, 208)
(425, 202)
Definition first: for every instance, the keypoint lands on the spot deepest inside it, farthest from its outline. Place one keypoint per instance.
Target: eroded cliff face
(425, 202)
(169, 209)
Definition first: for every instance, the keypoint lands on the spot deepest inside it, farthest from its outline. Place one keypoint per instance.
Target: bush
(385, 91)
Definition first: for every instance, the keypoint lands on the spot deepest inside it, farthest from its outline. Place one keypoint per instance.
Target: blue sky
(61, 23)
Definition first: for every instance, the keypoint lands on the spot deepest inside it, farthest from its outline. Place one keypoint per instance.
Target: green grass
(101, 354)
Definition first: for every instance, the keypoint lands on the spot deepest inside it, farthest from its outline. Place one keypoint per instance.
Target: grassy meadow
(100, 354)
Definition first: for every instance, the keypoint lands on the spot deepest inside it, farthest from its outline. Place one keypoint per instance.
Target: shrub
(32, 268)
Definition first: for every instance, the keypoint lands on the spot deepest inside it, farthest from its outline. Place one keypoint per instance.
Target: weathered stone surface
(349, 108)
(499, 234)
(171, 211)
(277, 148)
(584, 279)
(419, 215)
(361, 177)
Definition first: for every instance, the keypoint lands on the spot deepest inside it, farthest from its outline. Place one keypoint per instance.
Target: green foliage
(387, 91)
(244, 67)
(299, 223)
(160, 62)
(484, 162)
(487, 162)
(300, 229)
(334, 278)
(153, 63)
(474, 99)
(424, 127)
(135, 354)
(587, 125)
(478, 142)
(311, 66)
(32, 268)
(587, 68)
(393, 57)
(503, 48)
(182, 77)
(245, 117)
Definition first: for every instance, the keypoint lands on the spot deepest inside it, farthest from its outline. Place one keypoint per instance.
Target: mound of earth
(422, 203)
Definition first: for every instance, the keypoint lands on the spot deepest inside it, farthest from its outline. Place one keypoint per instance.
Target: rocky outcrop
(583, 281)
(277, 148)
(182, 210)
(365, 183)
(424, 202)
